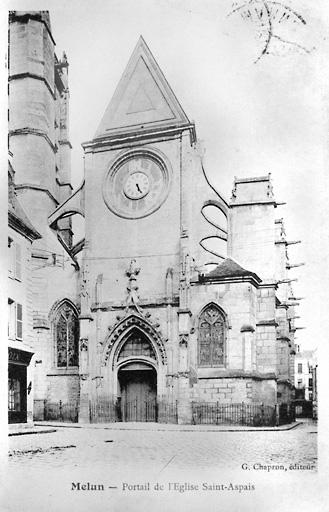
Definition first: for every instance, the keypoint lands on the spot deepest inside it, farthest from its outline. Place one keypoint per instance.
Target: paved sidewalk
(161, 427)
(33, 429)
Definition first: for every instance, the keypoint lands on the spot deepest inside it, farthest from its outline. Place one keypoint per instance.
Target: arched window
(66, 337)
(211, 340)
(136, 345)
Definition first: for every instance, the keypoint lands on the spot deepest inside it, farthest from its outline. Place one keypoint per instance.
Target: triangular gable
(143, 98)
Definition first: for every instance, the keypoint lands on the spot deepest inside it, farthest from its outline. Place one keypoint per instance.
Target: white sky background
(252, 118)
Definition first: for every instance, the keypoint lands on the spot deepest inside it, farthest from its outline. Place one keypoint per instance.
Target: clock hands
(139, 190)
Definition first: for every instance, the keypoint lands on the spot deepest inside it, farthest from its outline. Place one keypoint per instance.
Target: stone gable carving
(84, 344)
(122, 329)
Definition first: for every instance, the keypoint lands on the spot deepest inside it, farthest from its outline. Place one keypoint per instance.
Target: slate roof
(229, 268)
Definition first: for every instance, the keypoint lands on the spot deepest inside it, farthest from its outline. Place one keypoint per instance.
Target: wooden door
(138, 395)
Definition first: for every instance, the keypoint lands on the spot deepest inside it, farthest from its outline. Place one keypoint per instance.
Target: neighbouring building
(21, 236)
(306, 367)
(145, 309)
(315, 391)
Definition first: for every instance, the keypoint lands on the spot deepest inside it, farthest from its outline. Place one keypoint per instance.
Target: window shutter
(18, 267)
(19, 321)
(12, 258)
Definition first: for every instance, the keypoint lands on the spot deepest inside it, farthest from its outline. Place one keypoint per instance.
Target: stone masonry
(156, 320)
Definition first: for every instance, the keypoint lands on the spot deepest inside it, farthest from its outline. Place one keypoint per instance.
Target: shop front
(19, 385)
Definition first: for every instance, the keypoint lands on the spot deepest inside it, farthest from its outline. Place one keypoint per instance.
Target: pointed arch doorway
(137, 379)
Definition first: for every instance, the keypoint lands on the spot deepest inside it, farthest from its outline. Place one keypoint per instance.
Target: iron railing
(139, 410)
(167, 412)
(45, 410)
(286, 413)
(104, 409)
(216, 413)
(108, 410)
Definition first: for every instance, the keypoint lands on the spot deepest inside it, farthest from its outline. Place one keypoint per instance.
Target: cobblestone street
(126, 461)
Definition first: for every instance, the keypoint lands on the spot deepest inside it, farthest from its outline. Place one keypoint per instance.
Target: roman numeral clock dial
(137, 184)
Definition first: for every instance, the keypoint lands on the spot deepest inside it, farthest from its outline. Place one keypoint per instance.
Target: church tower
(41, 156)
(143, 184)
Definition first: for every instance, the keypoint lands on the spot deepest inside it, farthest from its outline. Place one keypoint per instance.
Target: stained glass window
(67, 337)
(137, 345)
(211, 337)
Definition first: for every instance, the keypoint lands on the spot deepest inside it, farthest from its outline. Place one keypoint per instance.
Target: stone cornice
(140, 135)
(271, 322)
(255, 179)
(64, 184)
(65, 142)
(40, 322)
(182, 311)
(145, 303)
(75, 249)
(247, 328)
(221, 373)
(255, 203)
(284, 338)
(33, 131)
(19, 76)
(268, 285)
(19, 225)
(86, 317)
(24, 18)
(281, 306)
(74, 370)
(32, 186)
(221, 280)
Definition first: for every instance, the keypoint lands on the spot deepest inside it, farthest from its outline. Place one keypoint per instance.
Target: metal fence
(103, 410)
(286, 413)
(233, 414)
(167, 412)
(110, 410)
(139, 410)
(45, 410)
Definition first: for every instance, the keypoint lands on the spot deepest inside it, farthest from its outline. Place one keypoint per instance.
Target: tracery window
(137, 345)
(67, 337)
(211, 340)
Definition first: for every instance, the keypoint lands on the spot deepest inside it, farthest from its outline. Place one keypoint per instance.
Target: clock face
(137, 184)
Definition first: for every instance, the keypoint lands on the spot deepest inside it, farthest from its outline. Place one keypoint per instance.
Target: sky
(254, 112)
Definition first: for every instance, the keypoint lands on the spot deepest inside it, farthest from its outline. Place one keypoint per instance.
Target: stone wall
(223, 390)
(63, 387)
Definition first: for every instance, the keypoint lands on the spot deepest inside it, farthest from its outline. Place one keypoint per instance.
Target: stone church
(145, 309)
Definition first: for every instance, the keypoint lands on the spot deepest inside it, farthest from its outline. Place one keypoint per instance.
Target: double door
(138, 395)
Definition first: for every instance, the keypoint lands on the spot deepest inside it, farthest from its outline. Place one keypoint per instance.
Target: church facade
(149, 310)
